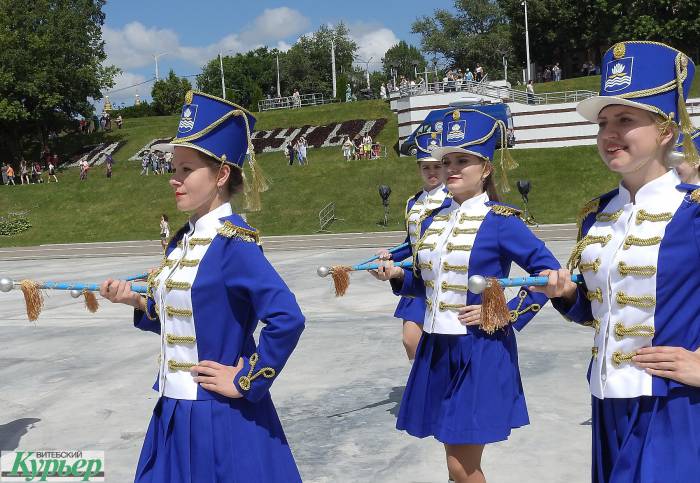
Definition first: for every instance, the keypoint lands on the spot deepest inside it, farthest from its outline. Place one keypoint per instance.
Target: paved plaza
(75, 380)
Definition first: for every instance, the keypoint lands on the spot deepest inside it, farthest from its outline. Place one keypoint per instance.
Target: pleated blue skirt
(215, 441)
(412, 309)
(647, 439)
(464, 389)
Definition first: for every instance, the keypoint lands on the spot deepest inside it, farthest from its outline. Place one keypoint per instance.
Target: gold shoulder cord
(589, 208)
(506, 211)
(229, 230)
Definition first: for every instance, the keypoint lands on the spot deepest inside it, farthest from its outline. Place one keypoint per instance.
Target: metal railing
(326, 216)
(293, 102)
(497, 92)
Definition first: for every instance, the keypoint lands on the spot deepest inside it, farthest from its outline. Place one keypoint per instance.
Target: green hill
(128, 207)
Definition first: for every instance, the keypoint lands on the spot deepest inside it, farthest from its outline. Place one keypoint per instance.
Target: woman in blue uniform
(214, 420)
(412, 310)
(639, 253)
(465, 388)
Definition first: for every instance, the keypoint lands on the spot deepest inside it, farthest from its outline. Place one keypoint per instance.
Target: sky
(192, 33)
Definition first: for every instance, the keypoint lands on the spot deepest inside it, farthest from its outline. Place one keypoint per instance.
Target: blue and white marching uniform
(205, 301)
(640, 260)
(465, 385)
(418, 207)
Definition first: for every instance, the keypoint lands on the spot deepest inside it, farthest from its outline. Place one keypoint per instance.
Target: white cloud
(126, 88)
(134, 45)
(274, 24)
(373, 41)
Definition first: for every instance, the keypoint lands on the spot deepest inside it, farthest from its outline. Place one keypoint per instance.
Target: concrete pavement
(75, 380)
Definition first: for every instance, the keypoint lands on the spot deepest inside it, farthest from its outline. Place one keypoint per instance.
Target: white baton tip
(323, 271)
(477, 284)
(6, 284)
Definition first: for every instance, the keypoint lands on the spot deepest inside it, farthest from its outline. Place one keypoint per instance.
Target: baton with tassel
(391, 250)
(341, 273)
(494, 308)
(34, 299)
(341, 279)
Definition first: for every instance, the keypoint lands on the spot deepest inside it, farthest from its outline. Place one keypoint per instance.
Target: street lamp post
(278, 76)
(333, 66)
(527, 43)
(367, 71)
(223, 82)
(221, 69)
(155, 57)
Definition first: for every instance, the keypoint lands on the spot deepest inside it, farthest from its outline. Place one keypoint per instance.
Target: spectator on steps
(10, 175)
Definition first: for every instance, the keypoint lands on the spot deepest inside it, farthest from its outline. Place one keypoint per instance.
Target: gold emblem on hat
(188, 97)
(433, 135)
(619, 50)
(455, 115)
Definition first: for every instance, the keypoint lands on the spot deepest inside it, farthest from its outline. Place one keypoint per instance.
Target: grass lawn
(590, 83)
(128, 206)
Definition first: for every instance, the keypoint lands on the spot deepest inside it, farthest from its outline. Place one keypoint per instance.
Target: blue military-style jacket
(478, 237)
(640, 264)
(205, 301)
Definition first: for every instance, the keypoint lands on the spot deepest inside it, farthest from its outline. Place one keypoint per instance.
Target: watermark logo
(53, 465)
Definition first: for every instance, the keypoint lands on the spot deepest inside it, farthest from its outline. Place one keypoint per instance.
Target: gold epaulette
(695, 195)
(229, 230)
(504, 210)
(590, 207)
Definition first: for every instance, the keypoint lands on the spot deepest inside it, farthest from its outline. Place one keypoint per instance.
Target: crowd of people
(296, 150)
(31, 172)
(360, 147)
(103, 122)
(157, 162)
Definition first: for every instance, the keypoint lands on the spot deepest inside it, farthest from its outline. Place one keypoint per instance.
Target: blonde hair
(670, 157)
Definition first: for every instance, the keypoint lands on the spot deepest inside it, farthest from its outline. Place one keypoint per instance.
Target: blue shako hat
(223, 131)
(426, 143)
(646, 75)
(216, 127)
(472, 132)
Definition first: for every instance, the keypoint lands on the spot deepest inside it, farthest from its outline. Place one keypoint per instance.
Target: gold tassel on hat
(258, 182)
(507, 161)
(686, 125)
(33, 298)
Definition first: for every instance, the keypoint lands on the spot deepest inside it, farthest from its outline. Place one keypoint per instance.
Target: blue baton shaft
(533, 281)
(142, 276)
(391, 250)
(374, 266)
(92, 287)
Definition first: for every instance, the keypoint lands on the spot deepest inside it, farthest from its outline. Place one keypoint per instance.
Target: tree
(51, 64)
(571, 31)
(307, 64)
(403, 58)
(249, 76)
(477, 33)
(169, 94)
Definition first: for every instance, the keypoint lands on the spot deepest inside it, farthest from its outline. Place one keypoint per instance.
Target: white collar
(650, 192)
(210, 221)
(472, 203)
(435, 190)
